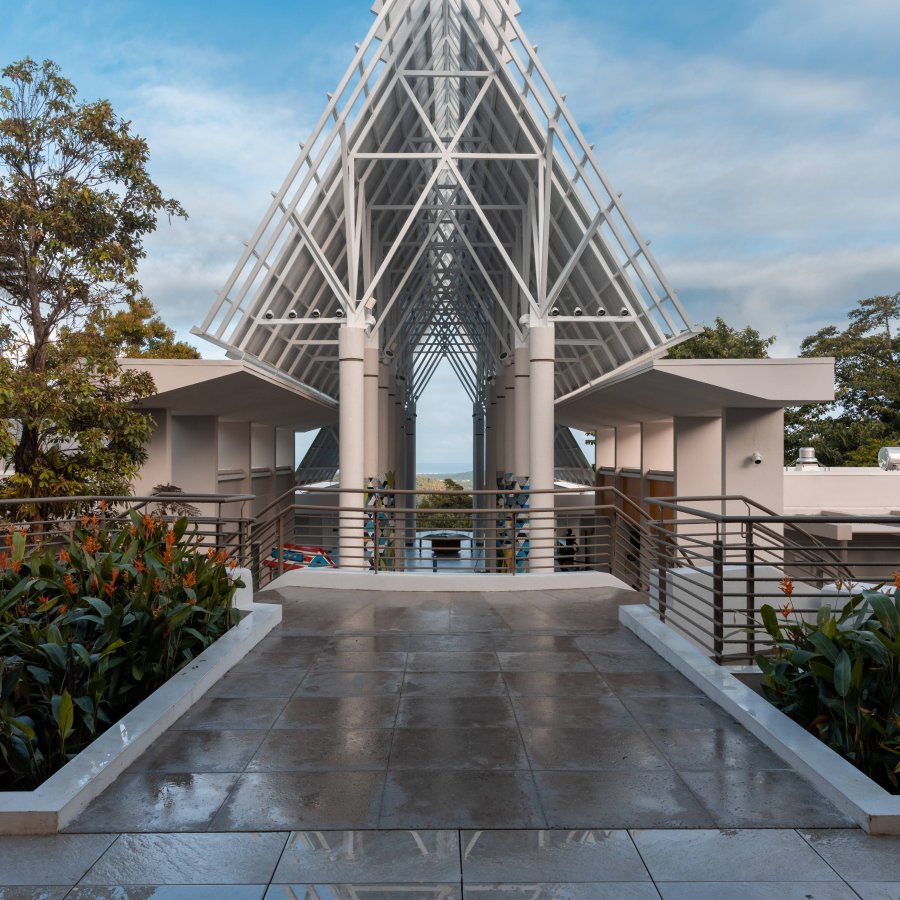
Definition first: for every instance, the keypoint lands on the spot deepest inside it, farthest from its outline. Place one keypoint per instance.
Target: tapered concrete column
(370, 400)
(490, 437)
(500, 441)
(384, 419)
(396, 432)
(509, 454)
(351, 350)
(478, 447)
(522, 451)
(542, 353)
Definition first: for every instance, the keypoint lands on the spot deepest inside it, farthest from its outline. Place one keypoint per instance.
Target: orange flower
(897, 580)
(157, 585)
(170, 538)
(211, 552)
(15, 565)
(190, 580)
(191, 601)
(85, 520)
(69, 582)
(133, 530)
(148, 521)
(232, 564)
(62, 609)
(4, 560)
(221, 556)
(64, 556)
(786, 587)
(91, 545)
(139, 566)
(102, 504)
(167, 555)
(786, 610)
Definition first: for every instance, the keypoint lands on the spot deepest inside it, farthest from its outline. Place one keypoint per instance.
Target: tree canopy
(721, 341)
(866, 412)
(76, 203)
(444, 506)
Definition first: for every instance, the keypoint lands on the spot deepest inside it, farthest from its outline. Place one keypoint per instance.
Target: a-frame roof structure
(448, 199)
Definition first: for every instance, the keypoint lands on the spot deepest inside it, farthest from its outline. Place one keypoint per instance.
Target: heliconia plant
(840, 676)
(91, 626)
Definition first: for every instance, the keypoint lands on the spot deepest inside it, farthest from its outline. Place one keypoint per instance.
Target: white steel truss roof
(447, 198)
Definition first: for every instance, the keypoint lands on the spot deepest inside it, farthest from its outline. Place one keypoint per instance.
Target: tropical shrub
(840, 677)
(91, 626)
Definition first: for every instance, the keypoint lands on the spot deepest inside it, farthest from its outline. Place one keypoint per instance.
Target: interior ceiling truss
(447, 200)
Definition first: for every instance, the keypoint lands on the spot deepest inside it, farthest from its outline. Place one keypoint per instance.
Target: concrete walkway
(435, 742)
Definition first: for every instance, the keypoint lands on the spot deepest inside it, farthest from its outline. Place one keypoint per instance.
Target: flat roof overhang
(232, 389)
(664, 388)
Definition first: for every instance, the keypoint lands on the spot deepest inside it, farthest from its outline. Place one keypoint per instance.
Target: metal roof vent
(889, 458)
(807, 459)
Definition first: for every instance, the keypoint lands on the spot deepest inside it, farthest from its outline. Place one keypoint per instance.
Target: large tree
(866, 413)
(721, 341)
(76, 203)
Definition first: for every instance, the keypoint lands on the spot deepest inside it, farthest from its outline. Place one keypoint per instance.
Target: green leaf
(770, 621)
(64, 713)
(842, 673)
(101, 606)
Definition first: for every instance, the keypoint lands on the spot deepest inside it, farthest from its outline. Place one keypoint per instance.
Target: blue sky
(755, 141)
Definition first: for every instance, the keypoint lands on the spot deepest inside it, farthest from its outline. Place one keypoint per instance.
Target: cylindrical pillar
(522, 456)
(509, 430)
(490, 438)
(542, 351)
(351, 350)
(370, 401)
(500, 413)
(384, 419)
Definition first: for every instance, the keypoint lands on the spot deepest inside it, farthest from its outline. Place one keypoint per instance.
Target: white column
(509, 374)
(490, 438)
(384, 419)
(351, 348)
(500, 433)
(370, 401)
(542, 350)
(522, 455)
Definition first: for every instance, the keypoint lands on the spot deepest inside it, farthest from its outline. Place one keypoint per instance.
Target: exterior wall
(749, 431)
(862, 491)
(158, 467)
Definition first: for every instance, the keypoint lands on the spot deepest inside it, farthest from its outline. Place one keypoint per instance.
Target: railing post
(750, 551)
(718, 599)
(662, 579)
(281, 543)
(376, 563)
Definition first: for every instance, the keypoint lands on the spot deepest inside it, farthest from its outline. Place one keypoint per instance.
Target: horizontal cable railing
(714, 571)
(219, 520)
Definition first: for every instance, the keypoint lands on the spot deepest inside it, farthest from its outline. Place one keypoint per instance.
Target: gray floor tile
(453, 684)
(156, 801)
(358, 891)
(774, 890)
(855, 855)
(714, 748)
(279, 683)
(259, 663)
(652, 684)
(451, 643)
(371, 643)
(584, 748)
(452, 661)
(169, 892)
(736, 855)
(563, 891)
(739, 799)
(350, 684)
(619, 800)
(678, 712)
(373, 857)
(230, 713)
(151, 859)
(545, 643)
(556, 684)
(338, 712)
(25, 892)
(322, 750)
(550, 856)
(436, 799)
(458, 748)
(455, 712)
(573, 712)
(538, 661)
(56, 859)
(302, 800)
(639, 660)
(877, 890)
(199, 751)
(360, 661)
